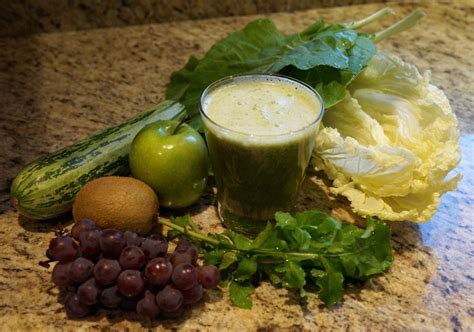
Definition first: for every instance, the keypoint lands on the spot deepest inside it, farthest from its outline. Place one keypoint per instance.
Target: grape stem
(45, 263)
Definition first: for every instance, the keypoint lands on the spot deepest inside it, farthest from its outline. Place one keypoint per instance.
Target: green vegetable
(327, 57)
(47, 187)
(390, 144)
(307, 248)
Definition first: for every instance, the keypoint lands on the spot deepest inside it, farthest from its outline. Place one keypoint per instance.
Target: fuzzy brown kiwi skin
(117, 202)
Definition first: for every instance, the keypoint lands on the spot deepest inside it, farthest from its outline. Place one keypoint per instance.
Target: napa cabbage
(389, 145)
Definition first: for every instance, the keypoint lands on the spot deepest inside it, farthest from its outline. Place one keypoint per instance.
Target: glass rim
(229, 78)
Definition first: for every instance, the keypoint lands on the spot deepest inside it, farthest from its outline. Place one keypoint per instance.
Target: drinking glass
(257, 174)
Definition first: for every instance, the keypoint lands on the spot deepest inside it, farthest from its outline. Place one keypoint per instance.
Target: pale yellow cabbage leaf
(390, 144)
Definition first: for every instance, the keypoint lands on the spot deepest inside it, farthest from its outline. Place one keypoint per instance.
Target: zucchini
(47, 187)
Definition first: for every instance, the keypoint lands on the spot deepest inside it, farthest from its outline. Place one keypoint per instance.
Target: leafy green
(239, 294)
(228, 259)
(335, 50)
(253, 49)
(328, 81)
(327, 57)
(308, 247)
(330, 284)
(391, 145)
(293, 274)
(245, 270)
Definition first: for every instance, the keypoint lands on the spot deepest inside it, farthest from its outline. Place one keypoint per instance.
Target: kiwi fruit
(117, 202)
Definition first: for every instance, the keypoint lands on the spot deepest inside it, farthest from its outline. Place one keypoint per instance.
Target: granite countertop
(33, 16)
(56, 88)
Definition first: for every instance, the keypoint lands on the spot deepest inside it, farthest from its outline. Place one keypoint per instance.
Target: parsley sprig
(306, 248)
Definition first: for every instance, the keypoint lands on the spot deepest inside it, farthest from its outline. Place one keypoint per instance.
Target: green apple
(171, 157)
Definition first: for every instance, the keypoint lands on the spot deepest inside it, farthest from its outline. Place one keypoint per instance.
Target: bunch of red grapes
(123, 270)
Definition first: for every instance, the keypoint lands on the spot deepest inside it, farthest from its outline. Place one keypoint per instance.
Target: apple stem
(179, 125)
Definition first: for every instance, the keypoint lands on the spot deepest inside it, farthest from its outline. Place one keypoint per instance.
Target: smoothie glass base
(249, 227)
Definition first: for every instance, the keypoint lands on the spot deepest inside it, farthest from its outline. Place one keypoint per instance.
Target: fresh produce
(63, 249)
(309, 247)
(391, 137)
(327, 57)
(60, 275)
(171, 157)
(127, 279)
(80, 269)
(116, 202)
(81, 226)
(388, 142)
(389, 145)
(47, 187)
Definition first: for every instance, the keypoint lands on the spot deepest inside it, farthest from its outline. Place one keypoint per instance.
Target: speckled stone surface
(57, 88)
(19, 17)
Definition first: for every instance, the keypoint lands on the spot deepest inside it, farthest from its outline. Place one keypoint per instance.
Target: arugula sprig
(327, 57)
(308, 247)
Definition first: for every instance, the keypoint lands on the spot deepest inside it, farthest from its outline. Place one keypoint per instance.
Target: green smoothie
(260, 132)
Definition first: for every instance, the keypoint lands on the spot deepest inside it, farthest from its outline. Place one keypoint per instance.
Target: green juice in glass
(260, 132)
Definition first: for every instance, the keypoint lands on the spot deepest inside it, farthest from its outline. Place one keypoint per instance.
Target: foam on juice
(261, 107)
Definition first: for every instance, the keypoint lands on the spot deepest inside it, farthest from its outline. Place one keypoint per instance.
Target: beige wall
(18, 17)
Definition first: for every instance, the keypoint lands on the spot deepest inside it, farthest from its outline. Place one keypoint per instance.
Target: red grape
(177, 258)
(184, 276)
(138, 272)
(132, 258)
(74, 307)
(186, 246)
(106, 271)
(209, 276)
(158, 271)
(63, 249)
(110, 297)
(82, 226)
(132, 238)
(88, 292)
(154, 247)
(89, 242)
(130, 283)
(169, 299)
(48, 254)
(192, 295)
(80, 269)
(112, 243)
(147, 306)
(60, 274)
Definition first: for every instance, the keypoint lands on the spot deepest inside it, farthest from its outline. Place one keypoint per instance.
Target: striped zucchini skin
(47, 187)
